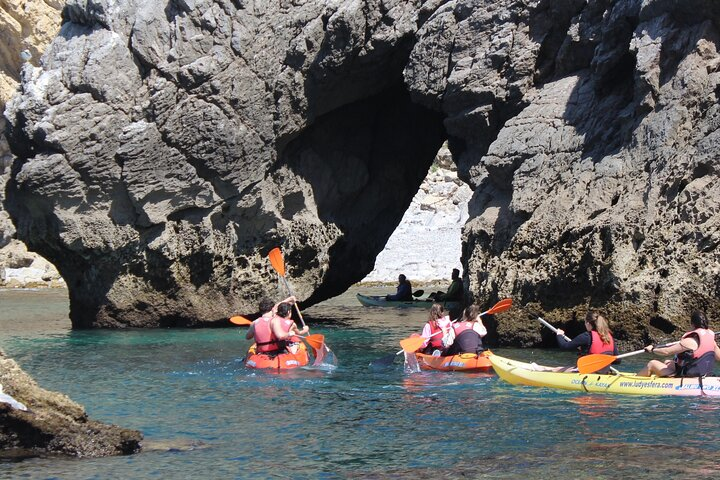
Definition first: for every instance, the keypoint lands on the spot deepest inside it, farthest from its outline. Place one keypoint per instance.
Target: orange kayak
(282, 361)
(464, 362)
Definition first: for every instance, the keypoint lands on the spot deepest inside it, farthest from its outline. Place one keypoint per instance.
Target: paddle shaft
(297, 309)
(540, 319)
(638, 352)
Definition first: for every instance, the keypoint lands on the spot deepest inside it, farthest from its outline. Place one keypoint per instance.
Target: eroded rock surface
(26, 28)
(53, 423)
(163, 152)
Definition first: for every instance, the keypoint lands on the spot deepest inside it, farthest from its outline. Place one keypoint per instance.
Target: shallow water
(203, 414)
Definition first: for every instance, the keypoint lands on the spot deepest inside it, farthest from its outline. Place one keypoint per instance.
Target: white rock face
(426, 246)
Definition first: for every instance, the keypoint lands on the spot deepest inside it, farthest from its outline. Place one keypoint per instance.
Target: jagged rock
(163, 152)
(26, 29)
(53, 423)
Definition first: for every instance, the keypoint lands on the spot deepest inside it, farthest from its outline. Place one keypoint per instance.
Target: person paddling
(404, 290)
(285, 330)
(438, 331)
(267, 312)
(596, 339)
(468, 333)
(695, 353)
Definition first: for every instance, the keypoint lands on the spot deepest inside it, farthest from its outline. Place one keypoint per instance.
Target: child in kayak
(695, 353)
(438, 331)
(468, 333)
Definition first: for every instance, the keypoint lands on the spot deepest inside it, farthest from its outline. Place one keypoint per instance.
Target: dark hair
(698, 319)
(455, 273)
(266, 305)
(283, 309)
(470, 314)
(402, 277)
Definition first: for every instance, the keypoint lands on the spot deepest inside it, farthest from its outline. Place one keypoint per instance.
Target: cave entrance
(427, 244)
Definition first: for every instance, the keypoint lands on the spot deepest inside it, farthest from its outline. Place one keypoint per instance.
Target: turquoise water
(204, 415)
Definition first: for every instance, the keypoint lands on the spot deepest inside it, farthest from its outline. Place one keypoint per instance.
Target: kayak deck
(520, 373)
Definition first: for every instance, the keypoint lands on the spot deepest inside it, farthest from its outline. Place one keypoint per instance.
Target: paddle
(597, 361)
(240, 320)
(277, 262)
(411, 344)
(554, 330)
(418, 293)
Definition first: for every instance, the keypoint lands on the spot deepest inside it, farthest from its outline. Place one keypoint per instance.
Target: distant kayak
(282, 361)
(464, 362)
(379, 301)
(519, 373)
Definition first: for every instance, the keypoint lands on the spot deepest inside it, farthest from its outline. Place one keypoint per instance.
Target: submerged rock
(52, 423)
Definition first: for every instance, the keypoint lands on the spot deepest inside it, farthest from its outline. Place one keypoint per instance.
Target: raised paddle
(411, 344)
(240, 320)
(597, 361)
(418, 293)
(277, 262)
(554, 330)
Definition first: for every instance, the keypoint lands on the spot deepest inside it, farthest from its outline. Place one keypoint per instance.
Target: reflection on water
(205, 415)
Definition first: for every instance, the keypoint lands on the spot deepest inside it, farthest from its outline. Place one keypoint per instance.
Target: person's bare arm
(251, 332)
(684, 345)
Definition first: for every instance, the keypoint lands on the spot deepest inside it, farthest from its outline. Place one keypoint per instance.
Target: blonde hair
(436, 312)
(599, 324)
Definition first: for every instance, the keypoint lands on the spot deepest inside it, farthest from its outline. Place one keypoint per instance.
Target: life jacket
(700, 361)
(265, 340)
(436, 333)
(467, 340)
(597, 345)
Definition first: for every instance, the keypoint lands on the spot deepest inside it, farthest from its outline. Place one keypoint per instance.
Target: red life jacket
(265, 340)
(700, 361)
(461, 327)
(435, 340)
(597, 345)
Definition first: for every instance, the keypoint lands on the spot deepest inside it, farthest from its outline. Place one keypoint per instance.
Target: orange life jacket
(597, 345)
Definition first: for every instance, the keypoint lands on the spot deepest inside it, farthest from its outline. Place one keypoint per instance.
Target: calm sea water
(205, 416)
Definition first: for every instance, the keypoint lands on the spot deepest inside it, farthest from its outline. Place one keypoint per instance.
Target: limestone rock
(53, 423)
(163, 152)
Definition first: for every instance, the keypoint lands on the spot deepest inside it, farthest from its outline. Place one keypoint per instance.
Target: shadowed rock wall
(163, 151)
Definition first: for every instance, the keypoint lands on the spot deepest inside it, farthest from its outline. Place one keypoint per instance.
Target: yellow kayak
(520, 373)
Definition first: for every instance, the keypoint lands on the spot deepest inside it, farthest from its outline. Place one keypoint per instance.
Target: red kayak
(282, 361)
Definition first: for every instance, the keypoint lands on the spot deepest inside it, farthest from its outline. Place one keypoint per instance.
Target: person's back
(468, 333)
(403, 292)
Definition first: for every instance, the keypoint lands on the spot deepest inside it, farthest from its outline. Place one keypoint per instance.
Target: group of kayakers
(275, 331)
(694, 355)
(445, 337)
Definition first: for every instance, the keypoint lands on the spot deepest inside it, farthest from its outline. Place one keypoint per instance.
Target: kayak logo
(251, 363)
(292, 363)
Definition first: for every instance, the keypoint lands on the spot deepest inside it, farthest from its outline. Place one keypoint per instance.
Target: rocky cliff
(163, 151)
(26, 28)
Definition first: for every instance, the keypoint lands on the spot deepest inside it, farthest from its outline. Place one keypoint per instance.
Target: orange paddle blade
(240, 320)
(315, 340)
(276, 260)
(411, 344)
(593, 363)
(500, 306)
